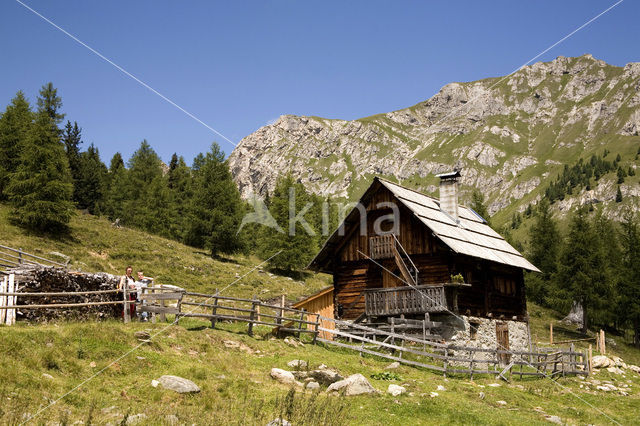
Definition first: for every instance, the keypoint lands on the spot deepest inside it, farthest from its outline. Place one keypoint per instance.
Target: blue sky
(239, 65)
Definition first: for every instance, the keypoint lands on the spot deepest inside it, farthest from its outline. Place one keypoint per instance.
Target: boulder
(392, 366)
(634, 368)
(601, 361)
(396, 390)
(615, 370)
(313, 385)
(326, 376)
(297, 364)
(279, 422)
(136, 418)
(283, 376)
(441, 388)
(355, 384)
(178, 384)
(553, 419)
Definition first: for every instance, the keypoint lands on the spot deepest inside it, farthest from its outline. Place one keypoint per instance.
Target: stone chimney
(449, 193)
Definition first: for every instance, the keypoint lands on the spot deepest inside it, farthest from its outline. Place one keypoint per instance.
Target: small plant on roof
(458, 279)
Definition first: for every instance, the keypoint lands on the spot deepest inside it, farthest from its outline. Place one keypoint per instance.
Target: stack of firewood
(39, 279)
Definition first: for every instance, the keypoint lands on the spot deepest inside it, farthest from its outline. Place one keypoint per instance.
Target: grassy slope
(236, 387)
(94, 245)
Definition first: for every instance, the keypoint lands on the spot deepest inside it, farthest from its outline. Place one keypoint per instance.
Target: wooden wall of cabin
(349, 282)
(414, 236)
(495, 289)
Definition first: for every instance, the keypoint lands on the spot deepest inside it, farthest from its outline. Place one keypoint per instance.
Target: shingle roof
(470, 236)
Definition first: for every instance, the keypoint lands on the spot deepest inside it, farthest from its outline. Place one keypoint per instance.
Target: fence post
(11, 300)
(163, 316)
(125, 303)
(551, 333)
(315, 335)
(603, 343)
(20, 256)
(214, 310)
(589, 363)
(252, 315)
(179, 307)
(3, 300)
(300, 323)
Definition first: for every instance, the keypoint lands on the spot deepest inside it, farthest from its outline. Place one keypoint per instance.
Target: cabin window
(505, 286)
(473, 330)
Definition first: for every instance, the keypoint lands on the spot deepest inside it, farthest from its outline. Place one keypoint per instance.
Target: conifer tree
(41, 190)
(618, 195)
(15, 122)
(72, 139)
(90, 186)
(477, 204)
(296, 243)
(116, 162)
(180, 186)
(580, 274)
(544, 250)
(50, 103)
(216, 208)
(629, 283)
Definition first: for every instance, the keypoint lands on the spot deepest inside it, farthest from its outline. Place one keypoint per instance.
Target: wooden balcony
(405, 300)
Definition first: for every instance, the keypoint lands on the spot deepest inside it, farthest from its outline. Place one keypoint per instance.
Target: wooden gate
(502, 337)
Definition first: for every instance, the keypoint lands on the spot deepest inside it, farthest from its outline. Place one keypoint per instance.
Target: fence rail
(11, 257)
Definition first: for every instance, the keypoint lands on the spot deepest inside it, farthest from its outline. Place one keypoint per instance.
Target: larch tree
(72, 138)
(50, 103)
(40, 190)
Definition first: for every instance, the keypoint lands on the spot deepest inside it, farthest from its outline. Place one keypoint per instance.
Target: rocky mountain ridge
(510, 135)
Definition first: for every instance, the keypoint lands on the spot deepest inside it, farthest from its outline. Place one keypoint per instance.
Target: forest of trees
(595, 263)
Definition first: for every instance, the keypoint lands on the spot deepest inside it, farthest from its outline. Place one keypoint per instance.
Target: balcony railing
(405, 300)
(381, 246)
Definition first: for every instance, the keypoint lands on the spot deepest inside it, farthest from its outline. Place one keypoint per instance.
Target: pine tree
(629, 283)
(580, 276)
(50, 103)
(295, 243)
(145, 168)
(90, 185)
(216, 208)
(15, 122)
(618, 195)
(41, 190)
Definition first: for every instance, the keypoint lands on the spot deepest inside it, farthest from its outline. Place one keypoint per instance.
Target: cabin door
(502, 338)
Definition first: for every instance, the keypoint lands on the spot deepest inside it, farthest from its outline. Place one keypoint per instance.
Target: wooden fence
(281, 319)
(11, 258)
(417, 351)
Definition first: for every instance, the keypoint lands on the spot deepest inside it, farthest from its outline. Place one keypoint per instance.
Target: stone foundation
(478, 332)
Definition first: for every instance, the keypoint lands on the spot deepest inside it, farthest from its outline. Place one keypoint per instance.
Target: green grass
(48, 363)
(236, 387)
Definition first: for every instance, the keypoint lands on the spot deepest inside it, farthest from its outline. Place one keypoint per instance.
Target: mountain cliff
(511, 136)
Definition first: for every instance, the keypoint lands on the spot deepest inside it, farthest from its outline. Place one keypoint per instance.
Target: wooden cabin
(400, 252)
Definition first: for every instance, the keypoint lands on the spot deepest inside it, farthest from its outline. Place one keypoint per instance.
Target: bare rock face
(506, 134)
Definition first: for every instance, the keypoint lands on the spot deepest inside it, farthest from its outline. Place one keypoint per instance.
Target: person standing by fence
(128, 281)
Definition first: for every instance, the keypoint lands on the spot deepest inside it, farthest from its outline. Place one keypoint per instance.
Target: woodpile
(39, 279)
